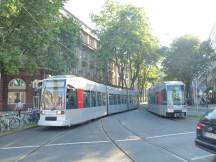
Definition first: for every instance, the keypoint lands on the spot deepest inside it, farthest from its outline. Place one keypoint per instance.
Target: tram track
(164, 148)
(40, 146)
(115, 143)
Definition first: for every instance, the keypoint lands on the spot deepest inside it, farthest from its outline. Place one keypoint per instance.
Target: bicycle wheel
(25, 119)
(14, 123)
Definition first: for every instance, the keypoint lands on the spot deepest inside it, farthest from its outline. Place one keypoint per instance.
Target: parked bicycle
(33, 116)
(8, 121)
(17, 120)
(4, 122)
(14, 122)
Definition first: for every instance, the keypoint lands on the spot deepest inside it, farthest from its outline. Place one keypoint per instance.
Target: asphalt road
(132, 136)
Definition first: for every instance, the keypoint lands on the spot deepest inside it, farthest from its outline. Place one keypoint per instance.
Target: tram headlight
(170, 108)
(42, 112)
(59, 112)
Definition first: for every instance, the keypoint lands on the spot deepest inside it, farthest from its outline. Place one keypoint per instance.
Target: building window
(91, 42)
(17, 84)
(84, 38)
(16, 91)
(14, 96)
(95, 44)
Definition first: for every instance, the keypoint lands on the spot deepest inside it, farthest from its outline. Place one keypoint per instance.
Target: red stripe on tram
(80, 97)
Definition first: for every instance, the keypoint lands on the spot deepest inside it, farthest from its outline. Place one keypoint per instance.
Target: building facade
(19, 86)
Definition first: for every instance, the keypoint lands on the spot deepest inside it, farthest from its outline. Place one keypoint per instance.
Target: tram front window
(53, 95)
(175, 94)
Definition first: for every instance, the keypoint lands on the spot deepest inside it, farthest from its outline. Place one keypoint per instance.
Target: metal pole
(207, 89)
(196, 95)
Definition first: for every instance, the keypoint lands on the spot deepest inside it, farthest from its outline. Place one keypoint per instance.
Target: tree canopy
(126, 40)
(187, 57)
(34, 35)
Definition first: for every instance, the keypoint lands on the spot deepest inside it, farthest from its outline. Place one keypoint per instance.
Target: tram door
(36, 102)
(37, 86)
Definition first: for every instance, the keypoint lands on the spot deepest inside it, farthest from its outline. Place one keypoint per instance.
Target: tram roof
(80, 82)
(77, 82)
(173, 82)
(167, 83)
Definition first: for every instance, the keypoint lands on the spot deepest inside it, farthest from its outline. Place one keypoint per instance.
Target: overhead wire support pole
(207, 89)
(196, 87)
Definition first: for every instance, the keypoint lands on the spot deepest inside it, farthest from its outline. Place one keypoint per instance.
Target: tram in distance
(167, 99)
(69, 100)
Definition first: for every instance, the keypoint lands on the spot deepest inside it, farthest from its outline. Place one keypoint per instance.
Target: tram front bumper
(52, 121)
(176, 114)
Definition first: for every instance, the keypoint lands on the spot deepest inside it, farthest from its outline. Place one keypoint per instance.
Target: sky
(169, 19)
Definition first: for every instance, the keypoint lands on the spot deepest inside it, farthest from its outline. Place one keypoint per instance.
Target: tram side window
(71, 99)
(99, 99)
(125, 99)
(119, 99)
(122, 99)
(87, 98)
(115, 99)
(131, 100)
(116, 96)
(93, 99)
(111, 99)
(104, 99)
(134, 99)
(152, 98)
(164, 94)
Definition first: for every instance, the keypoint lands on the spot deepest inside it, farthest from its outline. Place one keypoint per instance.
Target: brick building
(17, 86)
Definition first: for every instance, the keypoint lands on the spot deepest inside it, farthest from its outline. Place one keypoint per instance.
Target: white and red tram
(167, 99)
(69, 100)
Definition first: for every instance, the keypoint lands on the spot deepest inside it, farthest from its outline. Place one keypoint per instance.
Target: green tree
(125, 38)
(34, 35)
(60, 56)
(208, 56)
(185, 58)
(148, 76)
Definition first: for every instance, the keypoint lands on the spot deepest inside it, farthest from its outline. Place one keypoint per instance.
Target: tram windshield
(175, 94)
(53, 95)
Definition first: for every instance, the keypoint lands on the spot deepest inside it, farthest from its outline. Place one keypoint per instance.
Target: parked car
(206, 132)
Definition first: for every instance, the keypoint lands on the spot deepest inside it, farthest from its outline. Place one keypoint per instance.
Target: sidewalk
(24, 123)
(199, 110)
(194, 110)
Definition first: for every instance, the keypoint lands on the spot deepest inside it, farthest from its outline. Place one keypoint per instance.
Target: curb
(196, 114)
(14, 131)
